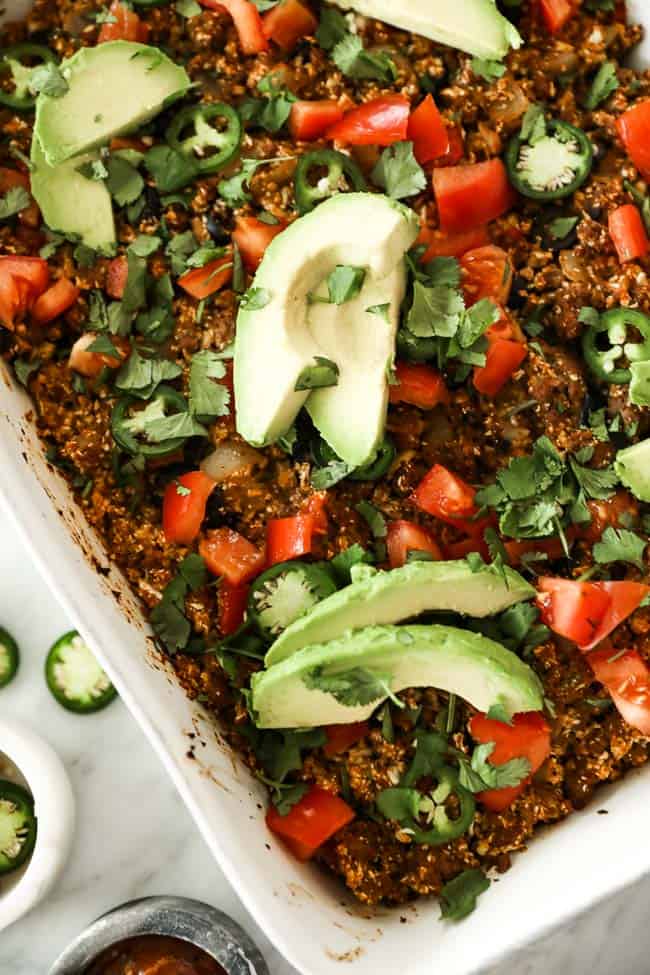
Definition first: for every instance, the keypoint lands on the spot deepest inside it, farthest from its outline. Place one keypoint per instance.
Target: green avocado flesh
(400, 594)
(474, 26)
(70, 203)
(280, 334)
(345, 680)
(113, 88)
(633, 468)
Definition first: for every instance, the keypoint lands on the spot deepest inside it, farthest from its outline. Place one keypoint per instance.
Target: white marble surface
(135, 837)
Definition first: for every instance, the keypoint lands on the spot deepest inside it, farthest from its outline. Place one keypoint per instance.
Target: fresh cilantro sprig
(477, 774)
(620, 545)
(350, 57)
(604, 84)
(487, 69)
(398, 172)
(208, 399)
(458, 897)
(168, 619)
(357, 686)
(14, 200)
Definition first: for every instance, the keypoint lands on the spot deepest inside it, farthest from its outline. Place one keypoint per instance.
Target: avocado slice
(280, 331)
(70, 203)
(345, 680)
(633, 468)
(474, 26)
(399, 594)
(113, 88)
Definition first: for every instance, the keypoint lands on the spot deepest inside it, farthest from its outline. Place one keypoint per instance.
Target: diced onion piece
(229, 459)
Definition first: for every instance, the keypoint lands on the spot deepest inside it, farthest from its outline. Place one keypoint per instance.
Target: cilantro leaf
(94, 169)
(561, 227)
(124, 182)
(234, 190)
(170, 169)
(23, 369)
(373, 518)
(329, 475)
(398, 171)
(603, 85)
(288, 796)
(353, 687)
(487, 69)
(14, 200)
(255, 298)
(179, 249)
(354, 61)
(280, 752)
(620, 545)
(47, 79)
(188, 8)
(208, 399)
(325, 373)
(344, 283)
(167, 618)
(458, 897)
(343, 561)
(140, 377)
(597, 484)
(102, 345)
(478, 774)
(332, 28)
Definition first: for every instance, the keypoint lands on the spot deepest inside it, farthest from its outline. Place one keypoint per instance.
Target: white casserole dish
(307, 916)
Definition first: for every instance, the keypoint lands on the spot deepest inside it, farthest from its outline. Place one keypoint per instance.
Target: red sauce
(154, 955)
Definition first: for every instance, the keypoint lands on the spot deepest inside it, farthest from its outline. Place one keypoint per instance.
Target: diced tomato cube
(428, 132)
(473, 195)
(229, 554)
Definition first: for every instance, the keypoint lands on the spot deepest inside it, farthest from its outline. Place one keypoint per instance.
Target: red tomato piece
(627, 679)
(552, 547)
(486, 272)
(634, 129)
(229, 554)
(289, 538)
(205, 281)
(252, 237)
(447, 497)
(127, 25)
(428, 132)
(118, 272)
(556, 13)
(613, 512)
(625, 598)
(404, 537)
(232, 606)
(55, 301)
(379, 122)
(247, 20)
(310, 120)
(340, 737)
(311, 822)
(440, 244)
(32, 269)
(529, 736)
(572, 609)
(471, 196)
(456, 149)
(418, 384)
(16, 296)
(628, 232)
(184, 504)
(90, 364)
(316, 506)
(288, 22)
(502, 358)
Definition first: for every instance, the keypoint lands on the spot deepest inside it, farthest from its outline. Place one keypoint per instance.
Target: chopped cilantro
(603, 85)
(208, 399)
(458, 897)
(398, 172)
(620, 545)
(14, 200)
(324, 373)
(47, 79)
(487, 69)
(350, 57)
(170, 169)
(124, 182)
(352, 687)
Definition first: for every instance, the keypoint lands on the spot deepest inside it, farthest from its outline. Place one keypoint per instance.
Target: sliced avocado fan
(112, 88)
(345, 680)
(282, 331)
(399, 594)
(474, 26)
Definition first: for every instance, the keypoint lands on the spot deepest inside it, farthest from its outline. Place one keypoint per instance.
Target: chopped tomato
(310, 120)
(587, 612)
(184, 504)
(340, 737)
(634, 129)
(310, 822)
(447, 497)
(551, 547)
(316, 506)
(33, 269)
(232, 606)
(247, 20)
(627, 679)
(252, 237)
(16, 297)
(486, 272)
(529, 736)
(502, 358)
(628, 232)
(418, 384)
(288, 22)
(379, 122)
(205, 281)
(118, 272)
(229, 554)
(440, 244)
(126, 26)
(428, 132)
(90, 364)
(289, 538)
(456, 149)
(613, 512)
(471, 196)
(556, 13)
(404, 537)
(55, 301)
(30, 216)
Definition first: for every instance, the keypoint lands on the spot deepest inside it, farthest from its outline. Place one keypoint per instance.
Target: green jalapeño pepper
(18, 62)
(323, 173)
(75, 678)
(17, 826)
(426, 817)
(9, 657)
(144, 431)
(604, 343)
(194, 133)
(548, 160)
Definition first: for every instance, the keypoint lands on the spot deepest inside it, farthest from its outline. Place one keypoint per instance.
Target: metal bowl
(176, 917)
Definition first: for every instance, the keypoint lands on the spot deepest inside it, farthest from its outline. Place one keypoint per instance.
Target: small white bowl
(42, 771)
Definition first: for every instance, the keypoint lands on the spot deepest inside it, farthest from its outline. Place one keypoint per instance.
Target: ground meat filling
(471, 435)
